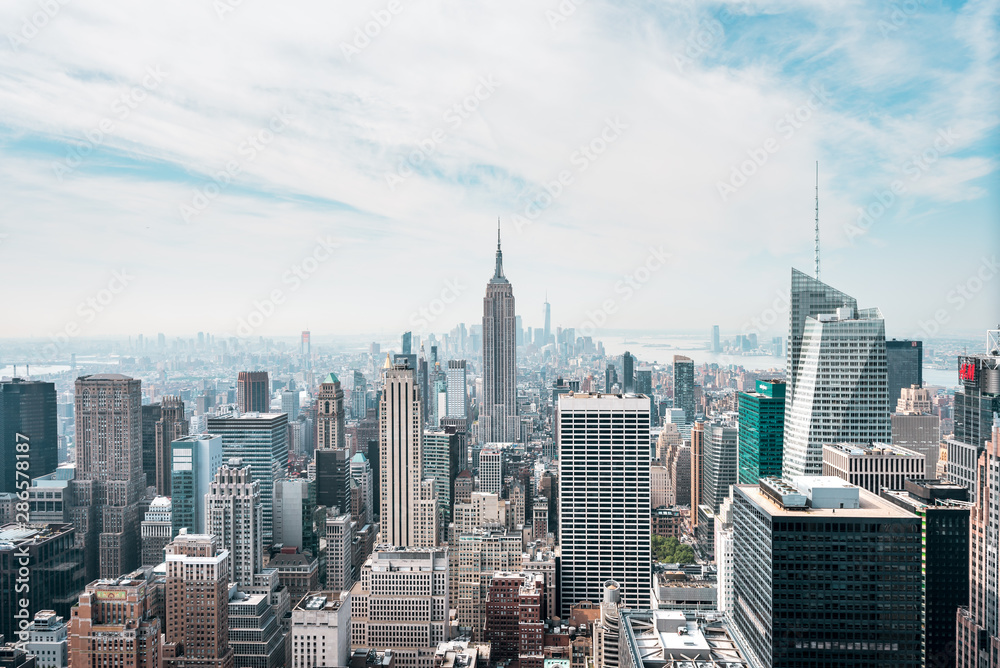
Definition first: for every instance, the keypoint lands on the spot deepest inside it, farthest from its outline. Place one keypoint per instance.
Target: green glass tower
(762, 431)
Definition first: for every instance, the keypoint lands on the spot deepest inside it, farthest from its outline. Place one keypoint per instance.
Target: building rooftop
(872, 450)
(675, 639)
(869, 505)
(314, 601)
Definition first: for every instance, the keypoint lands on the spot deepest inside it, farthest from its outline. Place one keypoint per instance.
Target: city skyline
(316, 196)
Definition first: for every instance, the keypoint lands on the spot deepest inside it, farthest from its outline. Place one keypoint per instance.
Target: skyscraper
(975, 407)
(28, 409)
(716, 344)
(457, 389)
(697, 468)
(401, 458)
(290, 403)
(333, 479)
(114, 624)
(762, 431)
(719, 467)
(628, 372)
(840, 389)
(150, 416)
(359, 391)
(196, 629)
(170, 426)
(195, 461)
(825, 574)
(330, 414)
(109, 479)
(305, 349)
(547, 320)
(684, 386)
(904, 362)
(978, 636)
(604, 528)
(253, 392)
(261, 441)
(809, 297)
(498, 420)
(235, 516)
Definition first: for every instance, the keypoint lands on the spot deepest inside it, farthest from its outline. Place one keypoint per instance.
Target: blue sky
(373, 168)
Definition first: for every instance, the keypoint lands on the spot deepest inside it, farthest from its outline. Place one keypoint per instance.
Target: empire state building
(498, 420)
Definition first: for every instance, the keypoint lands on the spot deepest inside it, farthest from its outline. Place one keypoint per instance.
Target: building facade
(761, 431)
(498, 421)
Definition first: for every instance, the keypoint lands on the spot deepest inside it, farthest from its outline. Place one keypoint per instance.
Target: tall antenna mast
(817, 220)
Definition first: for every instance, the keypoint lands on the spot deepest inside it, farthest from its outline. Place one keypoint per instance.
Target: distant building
(498, 421)
(873, 467)
(294, 507)
(235, 516)
(491, 470)
(904, 361)
(194, 462)
(330, 430)
(457, 390)
(156, 530)
(28, 409)
(684, 386)
(170, 426)
(719, 466)
(253, 392)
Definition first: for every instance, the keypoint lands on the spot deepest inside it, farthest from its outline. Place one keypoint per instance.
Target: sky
(252, 168)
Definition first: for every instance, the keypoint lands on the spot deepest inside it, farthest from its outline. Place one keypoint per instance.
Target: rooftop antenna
(817, 220)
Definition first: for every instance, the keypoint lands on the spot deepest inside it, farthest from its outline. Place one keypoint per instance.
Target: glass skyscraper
(762, 431)
(904, 361)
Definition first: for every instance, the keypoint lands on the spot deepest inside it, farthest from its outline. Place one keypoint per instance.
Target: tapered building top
(498, 276)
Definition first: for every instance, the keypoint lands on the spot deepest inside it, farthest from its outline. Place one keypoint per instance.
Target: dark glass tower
(628, 373)
(904, 361)
(27, 408)
(253, 392)
(684, 386)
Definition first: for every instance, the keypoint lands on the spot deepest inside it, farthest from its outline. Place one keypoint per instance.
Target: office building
(684, 386)
(235, 515)
(47, 638)
(874, 466)
(29, 431)
(603, 496)
(255, 631)
(321, 630)
(359, 397)
(761, 431)
(149, 416)
(383, 617)
(330, 430)
(339, 552)
(361, 473)
(809, 297)
(515, 618)
(975, 407)
(825, 574)
(333, 478)
(458, 390)
(697, 469)
(628, 373)
(170, 426)
(196, 629)
(978, 633)
(290, 403)
(480, 553)
(114, 625)
(904, 362)
(406, 515)
(56, 575)
(253, 392)
(716, 343)
(914, 427)
(611, 379)
(297, 571)
(109, 478)
(840, 392)
(498, 421)
(156, 530)
(491, 470)
(719, 466)
(261, 441)
(294, 507)
(194, 461)
(944, 513)
(441, 455)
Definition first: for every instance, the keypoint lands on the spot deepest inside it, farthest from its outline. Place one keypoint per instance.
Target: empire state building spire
(498, 276)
